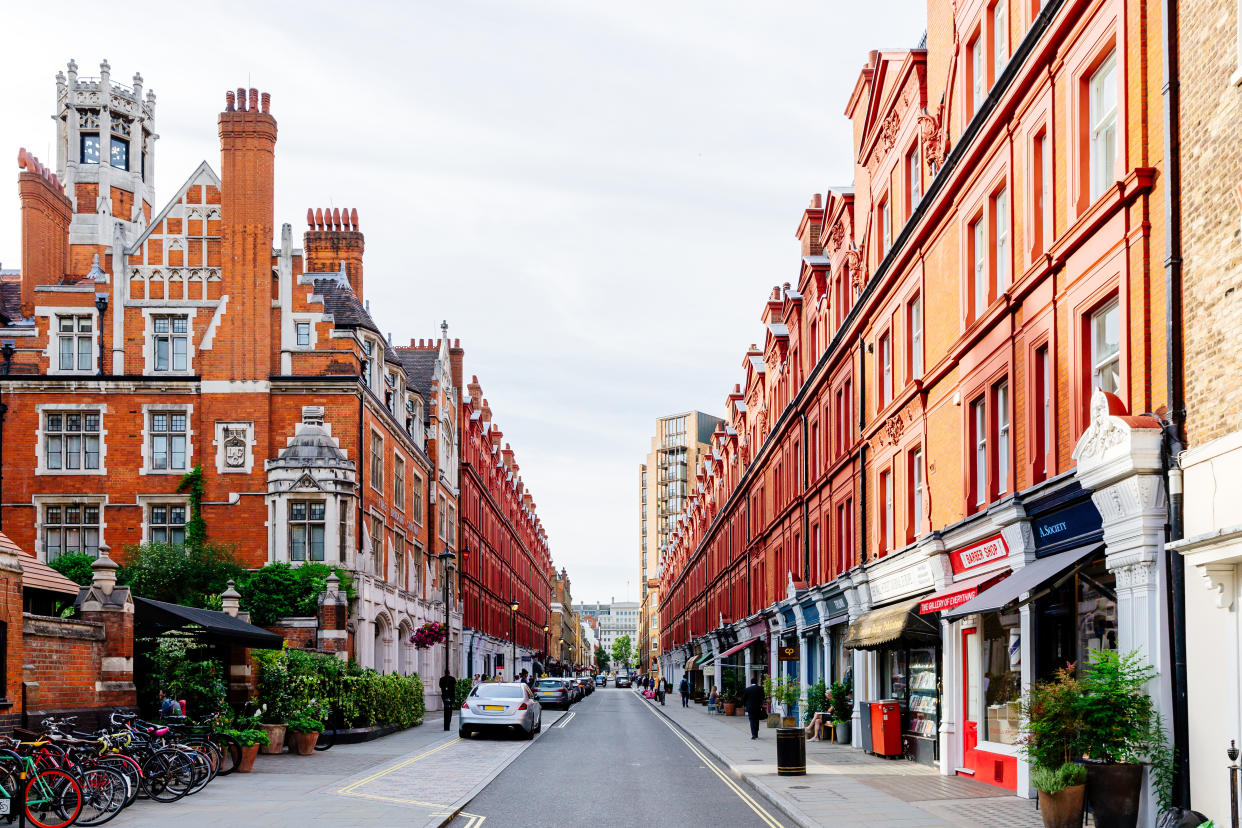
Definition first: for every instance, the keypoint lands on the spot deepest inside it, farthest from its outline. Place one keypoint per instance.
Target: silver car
(501, 706)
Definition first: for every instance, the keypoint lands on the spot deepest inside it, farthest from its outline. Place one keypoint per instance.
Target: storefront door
(970, 696)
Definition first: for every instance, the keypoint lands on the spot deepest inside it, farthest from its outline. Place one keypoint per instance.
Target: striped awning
(883, 626)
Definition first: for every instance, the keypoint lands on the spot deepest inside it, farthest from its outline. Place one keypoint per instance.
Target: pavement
(418, 777)
(843, 786)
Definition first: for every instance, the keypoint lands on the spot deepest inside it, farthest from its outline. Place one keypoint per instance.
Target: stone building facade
(941, 396)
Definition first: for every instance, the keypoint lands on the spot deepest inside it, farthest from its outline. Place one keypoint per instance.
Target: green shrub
(179, 574)
(248, 737)
(841, 701)
(816, 701)
(186, 670)
(1052, 710)
(279, 590)
(1053, 781)
(76, 567)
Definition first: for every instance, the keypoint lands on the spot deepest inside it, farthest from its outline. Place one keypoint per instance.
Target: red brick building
(143, 338)
(918, 425)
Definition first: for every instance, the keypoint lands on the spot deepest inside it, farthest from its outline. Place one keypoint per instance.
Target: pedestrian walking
(660, 691)
(685, 691)
(752, 701)
(448, 693)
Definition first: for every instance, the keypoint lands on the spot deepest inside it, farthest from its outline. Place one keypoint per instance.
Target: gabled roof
(203, 174)
(420, 368)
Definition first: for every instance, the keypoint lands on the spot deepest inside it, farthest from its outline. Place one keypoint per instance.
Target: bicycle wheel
(130, 769)
(167, 775)
(53, 799)
(230, 753)
(202, 769)
(104, 793)
(328, 736)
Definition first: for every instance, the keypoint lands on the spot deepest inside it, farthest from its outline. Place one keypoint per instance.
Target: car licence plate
(493, 707)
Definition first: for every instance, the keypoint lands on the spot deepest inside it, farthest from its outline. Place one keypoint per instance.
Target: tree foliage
(279, 590)
(75, 566)
(188, 575)
(622, 651)
(195, 527)
(601, 659)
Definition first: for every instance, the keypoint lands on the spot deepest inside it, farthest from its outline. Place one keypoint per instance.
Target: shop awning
(884, 626)
(1023, 580)
(691, 661)
(739, 647)
(153, 617)
(959, 593)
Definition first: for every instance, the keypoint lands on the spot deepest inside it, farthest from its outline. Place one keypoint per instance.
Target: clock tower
(105, 155)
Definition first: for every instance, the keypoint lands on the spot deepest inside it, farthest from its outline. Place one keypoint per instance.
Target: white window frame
(978, 267)
(149, 335)
(1049, 410)
(979, 416)
(1002, 258)
(916, 337)
(398, 482)
(978, 81)
(914, 172)
(52, 352)
(42, 410)
(1000, 38)
(306, 522)
(149, 525)
(886, 369)
(76, 338)
(916, 487)
(298, 327)
(1100, 360)
(42, 501)
(377, 457)
(154, 408)
(1002, 414)
(1102, 127)
(886, 483)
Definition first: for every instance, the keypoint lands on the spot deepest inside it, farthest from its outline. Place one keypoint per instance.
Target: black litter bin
(790, 751)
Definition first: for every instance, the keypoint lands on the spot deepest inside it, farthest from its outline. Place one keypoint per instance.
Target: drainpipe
(7, 350)
(1176, 395)
(862, 450)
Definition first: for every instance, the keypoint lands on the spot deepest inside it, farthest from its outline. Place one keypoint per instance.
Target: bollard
(791, 751)
(1232, 753)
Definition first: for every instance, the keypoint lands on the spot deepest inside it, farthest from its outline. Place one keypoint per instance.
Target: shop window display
(1002, 676)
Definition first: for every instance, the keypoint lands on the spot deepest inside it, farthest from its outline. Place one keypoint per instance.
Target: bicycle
(51, 798)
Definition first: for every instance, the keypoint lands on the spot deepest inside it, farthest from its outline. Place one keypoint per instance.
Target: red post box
(886, 728)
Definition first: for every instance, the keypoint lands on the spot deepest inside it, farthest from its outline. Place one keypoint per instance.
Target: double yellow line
(725, 778)
(352, 789)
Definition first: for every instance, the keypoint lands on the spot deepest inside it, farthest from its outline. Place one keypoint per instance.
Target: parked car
(575, 691)
(601, 681)
(552, 691)
(507, 706)
(588, 686)
(622, 680)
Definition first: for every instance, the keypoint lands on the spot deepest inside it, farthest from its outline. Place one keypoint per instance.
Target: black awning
(1023, 580)
(153, 617)
(878, 627)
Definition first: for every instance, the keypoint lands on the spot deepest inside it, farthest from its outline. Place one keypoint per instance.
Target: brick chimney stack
(46, 213)
(333, 238)
(247, 175)
(810, 227)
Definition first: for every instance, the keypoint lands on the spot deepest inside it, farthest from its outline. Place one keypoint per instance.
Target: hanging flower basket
(429, 634)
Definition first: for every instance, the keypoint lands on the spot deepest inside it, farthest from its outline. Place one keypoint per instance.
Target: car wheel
(527, 735)
(539, 725)
(463, 733)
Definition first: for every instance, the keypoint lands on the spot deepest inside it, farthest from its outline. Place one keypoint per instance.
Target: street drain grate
(799, 787)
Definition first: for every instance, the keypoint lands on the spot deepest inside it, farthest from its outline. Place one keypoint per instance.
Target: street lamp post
(446, 560)
(546, 645)
(513, 605)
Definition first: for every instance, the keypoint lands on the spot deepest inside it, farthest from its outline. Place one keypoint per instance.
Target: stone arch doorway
(384, 644)
(405, 662)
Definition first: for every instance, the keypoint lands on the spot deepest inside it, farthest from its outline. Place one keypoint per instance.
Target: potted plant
(815, 702)
(730, 697)
(304, 730)
(250, 740)
(841, 708)
(274, 725)
(1121, 730)
(1051, 740)
(785, 692)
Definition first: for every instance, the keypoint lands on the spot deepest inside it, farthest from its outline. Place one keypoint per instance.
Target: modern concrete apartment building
(680, 442)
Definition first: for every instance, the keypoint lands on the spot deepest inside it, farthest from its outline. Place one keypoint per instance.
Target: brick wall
(1211, 234)
(62, 663)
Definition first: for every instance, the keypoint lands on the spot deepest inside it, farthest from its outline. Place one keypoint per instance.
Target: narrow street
(613, 760)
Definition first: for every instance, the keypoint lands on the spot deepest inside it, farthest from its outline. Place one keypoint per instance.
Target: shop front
(902, 656)
(834, 621)
(1014, 629)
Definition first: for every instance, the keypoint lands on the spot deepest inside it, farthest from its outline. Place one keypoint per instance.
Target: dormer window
(90, 148)
(119, 156)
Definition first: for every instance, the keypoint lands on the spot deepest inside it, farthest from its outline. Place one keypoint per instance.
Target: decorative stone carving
(837, 236)
(935, 147)
(888, 132)
(1221, 579)
(235, 448)
(1102, 434)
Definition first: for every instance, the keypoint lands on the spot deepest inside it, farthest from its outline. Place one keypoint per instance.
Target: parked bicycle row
(62, 776)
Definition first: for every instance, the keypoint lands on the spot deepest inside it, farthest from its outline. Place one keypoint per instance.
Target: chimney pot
(254, 99)
(353, 218)
(319, 218)
(336, 218)
(267, 102)
(310, 218)
(229, 102)
(241, 99)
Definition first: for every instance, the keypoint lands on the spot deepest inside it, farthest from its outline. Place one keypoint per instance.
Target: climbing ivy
(195, 527)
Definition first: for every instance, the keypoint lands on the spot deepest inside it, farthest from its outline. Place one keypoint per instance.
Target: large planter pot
(730, 708)
(1064, 809)
(841, 733)
(1113, 791)
(788, 721)
(275, 739)
(303, 744)
(245, 760)
(774, 721)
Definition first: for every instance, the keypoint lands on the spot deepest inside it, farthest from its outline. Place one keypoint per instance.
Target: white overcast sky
(596, 196)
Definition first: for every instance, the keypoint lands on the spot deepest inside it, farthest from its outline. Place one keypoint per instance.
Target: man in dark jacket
(685, 691)
(448, 692)
(752, 700)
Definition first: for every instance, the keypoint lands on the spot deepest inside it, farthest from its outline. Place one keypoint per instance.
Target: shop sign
(940, 603)
(911, 579)
(787, 654)
(836, 605)
(1079, 519)
(985, 551)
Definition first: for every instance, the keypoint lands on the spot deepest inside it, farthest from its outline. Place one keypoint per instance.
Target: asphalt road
(614, 762)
